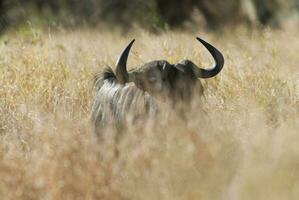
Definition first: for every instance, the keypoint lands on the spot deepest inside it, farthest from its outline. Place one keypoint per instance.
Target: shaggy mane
(106, 74)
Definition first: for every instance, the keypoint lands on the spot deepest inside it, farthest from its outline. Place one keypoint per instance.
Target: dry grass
(244, 145)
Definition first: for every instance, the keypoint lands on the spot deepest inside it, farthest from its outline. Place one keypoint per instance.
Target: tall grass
(241, 142)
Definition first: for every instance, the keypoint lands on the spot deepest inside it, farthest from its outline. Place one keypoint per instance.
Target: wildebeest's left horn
(216, 68)
(121, 64)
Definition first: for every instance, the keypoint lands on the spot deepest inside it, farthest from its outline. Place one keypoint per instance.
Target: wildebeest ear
(185, 66)
(180, 67)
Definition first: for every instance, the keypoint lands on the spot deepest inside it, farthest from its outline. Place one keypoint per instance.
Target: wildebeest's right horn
(121, 64)
(218, 58)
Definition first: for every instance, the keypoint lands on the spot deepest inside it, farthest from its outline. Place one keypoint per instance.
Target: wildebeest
(136, 93)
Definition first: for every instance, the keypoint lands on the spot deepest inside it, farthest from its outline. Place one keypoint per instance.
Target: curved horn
(216, 68)
(121, 64)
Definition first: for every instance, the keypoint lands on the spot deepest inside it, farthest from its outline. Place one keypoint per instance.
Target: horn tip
(132, 41)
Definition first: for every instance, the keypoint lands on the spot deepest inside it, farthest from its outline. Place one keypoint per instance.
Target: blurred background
(241, 140)
(152, 15)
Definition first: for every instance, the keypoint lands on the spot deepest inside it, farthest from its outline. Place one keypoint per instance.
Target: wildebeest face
(153, 77)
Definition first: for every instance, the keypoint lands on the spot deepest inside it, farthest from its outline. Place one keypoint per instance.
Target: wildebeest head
(137, 93)
(162, 79)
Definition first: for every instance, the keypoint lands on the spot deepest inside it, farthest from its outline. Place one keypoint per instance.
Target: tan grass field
(242, 143)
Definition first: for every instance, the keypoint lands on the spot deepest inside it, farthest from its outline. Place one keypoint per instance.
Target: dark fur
(154, 82)
(133, 95)
(176, 86)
